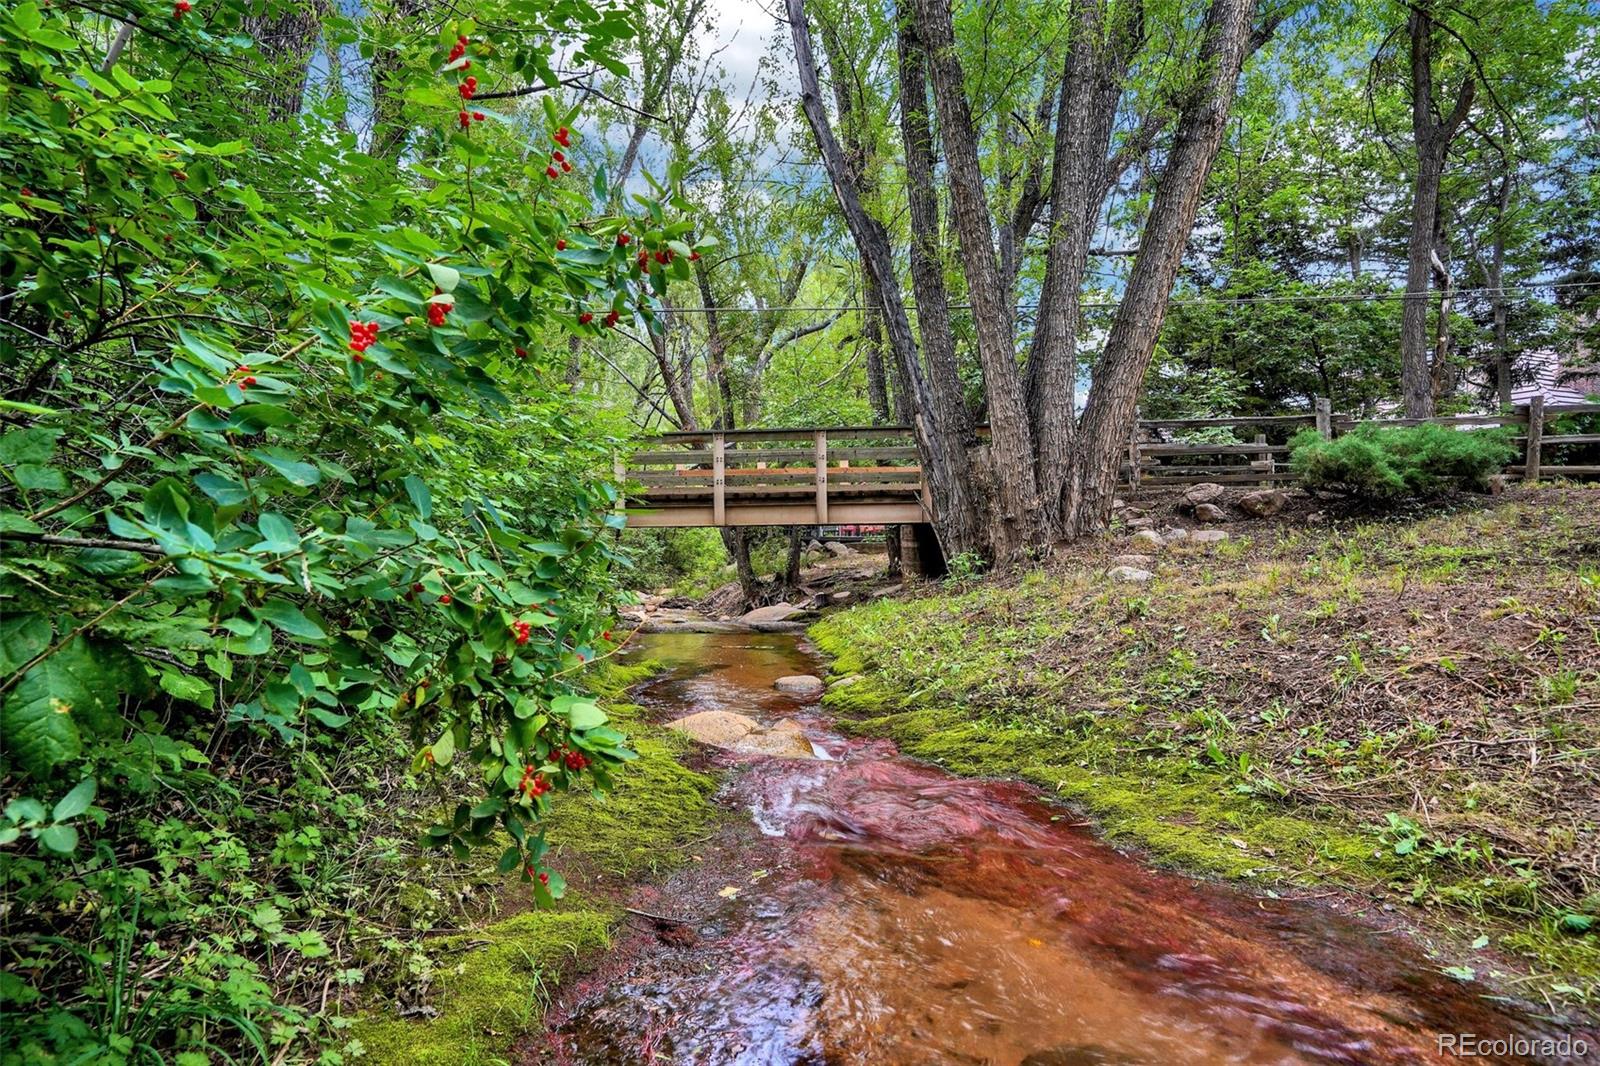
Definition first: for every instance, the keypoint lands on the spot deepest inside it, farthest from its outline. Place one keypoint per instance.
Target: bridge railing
(803, 476)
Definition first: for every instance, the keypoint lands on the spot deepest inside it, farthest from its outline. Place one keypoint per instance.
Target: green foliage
(674, 557)
(293, 495)
(1388, 465)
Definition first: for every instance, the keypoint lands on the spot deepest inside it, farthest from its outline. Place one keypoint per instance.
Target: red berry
(522, 353)
(551, 172)
(249, 380)
(557, 156)
(544, 879)
(477, 116)
(586, 318)
(623, 239)
(24, 191)
(463, 41)
(466, 119)
(358, 357)
(467, 65)
(445, 599)
(416, 586)
(694, 256)
(566, 168)
(561, 245)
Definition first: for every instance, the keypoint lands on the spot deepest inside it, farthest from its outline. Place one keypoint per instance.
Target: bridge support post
(920, 555)
(719, 502)
(821, 460)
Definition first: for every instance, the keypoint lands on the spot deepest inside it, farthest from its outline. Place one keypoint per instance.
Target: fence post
(821, 458)
(1324, 409)
(719, 503)
(1264, 460)
(1133, 450)
(620, 471)
(1530, 468)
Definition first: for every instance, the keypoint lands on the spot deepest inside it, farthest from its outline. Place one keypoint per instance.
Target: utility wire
(1374, 297)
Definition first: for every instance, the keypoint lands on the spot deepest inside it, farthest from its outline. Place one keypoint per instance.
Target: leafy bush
(1387, 465)
(680, 558)
(302, 529)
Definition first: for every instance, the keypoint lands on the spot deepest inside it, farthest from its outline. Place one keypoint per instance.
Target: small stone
(1174, 534)
(1497, 484)
(1131, 574)
(1118, 503)
(1209, 512)
(801, 683)
(844, 682)
(1263, 504)
(1136, 561)
(837, 550)
(1316, 518)
(1140, 522)
(1205, 492)
(1208, 536)
(721, 728)
(1148, 538)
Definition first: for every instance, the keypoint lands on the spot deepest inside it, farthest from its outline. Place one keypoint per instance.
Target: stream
(866, 908)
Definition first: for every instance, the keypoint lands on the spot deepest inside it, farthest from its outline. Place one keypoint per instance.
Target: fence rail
(870, 474)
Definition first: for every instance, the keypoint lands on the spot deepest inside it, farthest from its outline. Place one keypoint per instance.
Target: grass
(491, 984)
(1406, 709)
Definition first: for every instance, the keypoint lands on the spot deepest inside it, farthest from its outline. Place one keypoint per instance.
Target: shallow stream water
(866, 908)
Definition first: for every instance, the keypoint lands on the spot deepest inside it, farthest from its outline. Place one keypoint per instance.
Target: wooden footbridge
(849, 475)
(868, 475)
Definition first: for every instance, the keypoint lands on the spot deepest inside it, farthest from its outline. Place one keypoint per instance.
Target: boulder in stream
(739, 732)
(801, 684)
(777, 612)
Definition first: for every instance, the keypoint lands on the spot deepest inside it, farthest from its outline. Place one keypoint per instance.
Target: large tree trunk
(1012, 516)
(927, 266)
(286, 41)
(942, 464)
(390, 130)
(1432, 138)
(1226, 40)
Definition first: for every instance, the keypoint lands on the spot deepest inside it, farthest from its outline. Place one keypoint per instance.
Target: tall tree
(1434, 124)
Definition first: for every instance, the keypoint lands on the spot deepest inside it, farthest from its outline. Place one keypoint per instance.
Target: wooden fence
(1156, 457)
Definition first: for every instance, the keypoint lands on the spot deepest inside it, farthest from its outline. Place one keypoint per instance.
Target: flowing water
(865, 908)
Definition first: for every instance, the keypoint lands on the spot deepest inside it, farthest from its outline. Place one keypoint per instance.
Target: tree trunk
(942, 464)
(1013, 515)
(1103, 434)
(1432, 140)
(390, 130)
(927, 267)
(286, 42)
(1497, 295)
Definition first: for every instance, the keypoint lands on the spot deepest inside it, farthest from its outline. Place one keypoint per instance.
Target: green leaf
(36, 445)
(287, 617)
(22, 636)
(61, 839)
(580, 711)
(294, 470)
(77, 688)
(446, 278)
(421, 498)
(75, 802)
(278, 533)
(444, 749)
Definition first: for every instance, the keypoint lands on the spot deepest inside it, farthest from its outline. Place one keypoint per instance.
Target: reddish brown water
(869, 909)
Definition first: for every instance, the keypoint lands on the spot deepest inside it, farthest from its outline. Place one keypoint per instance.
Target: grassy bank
(476, 991)
(1406, 709)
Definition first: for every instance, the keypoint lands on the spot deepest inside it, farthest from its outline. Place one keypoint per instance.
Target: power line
(1373, 297)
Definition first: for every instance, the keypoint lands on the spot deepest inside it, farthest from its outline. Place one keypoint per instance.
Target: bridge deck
(851, 475)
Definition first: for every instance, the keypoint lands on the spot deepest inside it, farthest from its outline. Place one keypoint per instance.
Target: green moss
(491, 985)
(1157, 716)
(487, 993)
(658, 806)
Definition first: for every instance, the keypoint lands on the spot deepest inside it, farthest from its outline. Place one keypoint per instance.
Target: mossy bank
(1406, 710)
(488, 985)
